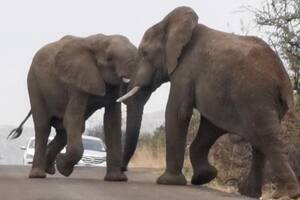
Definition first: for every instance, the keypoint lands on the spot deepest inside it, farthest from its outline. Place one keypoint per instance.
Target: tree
(280, 20)
(96, 131)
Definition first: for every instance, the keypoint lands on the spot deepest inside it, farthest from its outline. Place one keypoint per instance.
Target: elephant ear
(181, 23)
(75, 64)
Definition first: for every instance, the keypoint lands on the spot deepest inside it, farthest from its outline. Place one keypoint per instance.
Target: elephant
(237, 83)
(67, 82)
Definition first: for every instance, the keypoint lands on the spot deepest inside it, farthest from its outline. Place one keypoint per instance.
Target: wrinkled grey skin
(237, 83)
(68, 81)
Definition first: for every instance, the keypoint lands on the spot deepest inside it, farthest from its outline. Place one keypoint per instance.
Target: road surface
(87, 184)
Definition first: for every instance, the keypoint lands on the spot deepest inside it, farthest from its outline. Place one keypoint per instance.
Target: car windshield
(94, 145)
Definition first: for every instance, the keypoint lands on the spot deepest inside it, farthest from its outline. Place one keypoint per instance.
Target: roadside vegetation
(229, 155)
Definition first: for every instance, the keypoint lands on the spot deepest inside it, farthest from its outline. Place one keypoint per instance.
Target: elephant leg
(54, 147)
(112, 131)
(178, 114)
(74, 124)
(252, 185)
(42, 132)
(206, 137)
(267, 139)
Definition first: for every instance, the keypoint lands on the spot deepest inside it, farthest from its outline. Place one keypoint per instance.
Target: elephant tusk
(129, 94)
(126, 80)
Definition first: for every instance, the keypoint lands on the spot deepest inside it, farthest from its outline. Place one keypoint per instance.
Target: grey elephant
(68, 81)
(237, 83)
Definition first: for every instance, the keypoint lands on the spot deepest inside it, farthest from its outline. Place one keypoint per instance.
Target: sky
(26, 26)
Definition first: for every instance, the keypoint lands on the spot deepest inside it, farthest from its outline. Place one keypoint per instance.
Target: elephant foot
(115, 176)
(247, 189)
(62, 166)
(291, 192)
(204, 175)
(37, 173)
(50, 168)
(171, 179)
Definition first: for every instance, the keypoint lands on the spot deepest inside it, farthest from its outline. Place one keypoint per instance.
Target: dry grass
(145, 157)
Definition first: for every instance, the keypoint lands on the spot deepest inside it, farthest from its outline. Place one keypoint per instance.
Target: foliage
(280, 20)
(156, 142)
(96, 131)
(150, 152)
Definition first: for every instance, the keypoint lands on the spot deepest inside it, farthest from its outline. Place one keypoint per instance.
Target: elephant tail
(15, 133)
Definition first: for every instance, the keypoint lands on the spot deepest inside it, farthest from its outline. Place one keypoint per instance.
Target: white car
(94, 152)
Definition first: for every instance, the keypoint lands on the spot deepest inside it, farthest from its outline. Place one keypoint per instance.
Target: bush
(150, 152)
(96, 131)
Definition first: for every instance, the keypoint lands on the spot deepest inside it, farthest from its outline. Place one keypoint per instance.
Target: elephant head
(159, 54)
(89, 63)
(161, 48)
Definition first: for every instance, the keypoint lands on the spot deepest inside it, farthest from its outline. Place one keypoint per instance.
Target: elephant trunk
(135, 108)
(133, 125)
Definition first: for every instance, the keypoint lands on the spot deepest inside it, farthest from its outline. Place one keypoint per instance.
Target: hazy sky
(25, 26)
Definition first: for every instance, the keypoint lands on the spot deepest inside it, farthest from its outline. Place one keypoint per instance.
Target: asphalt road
(87, 184)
